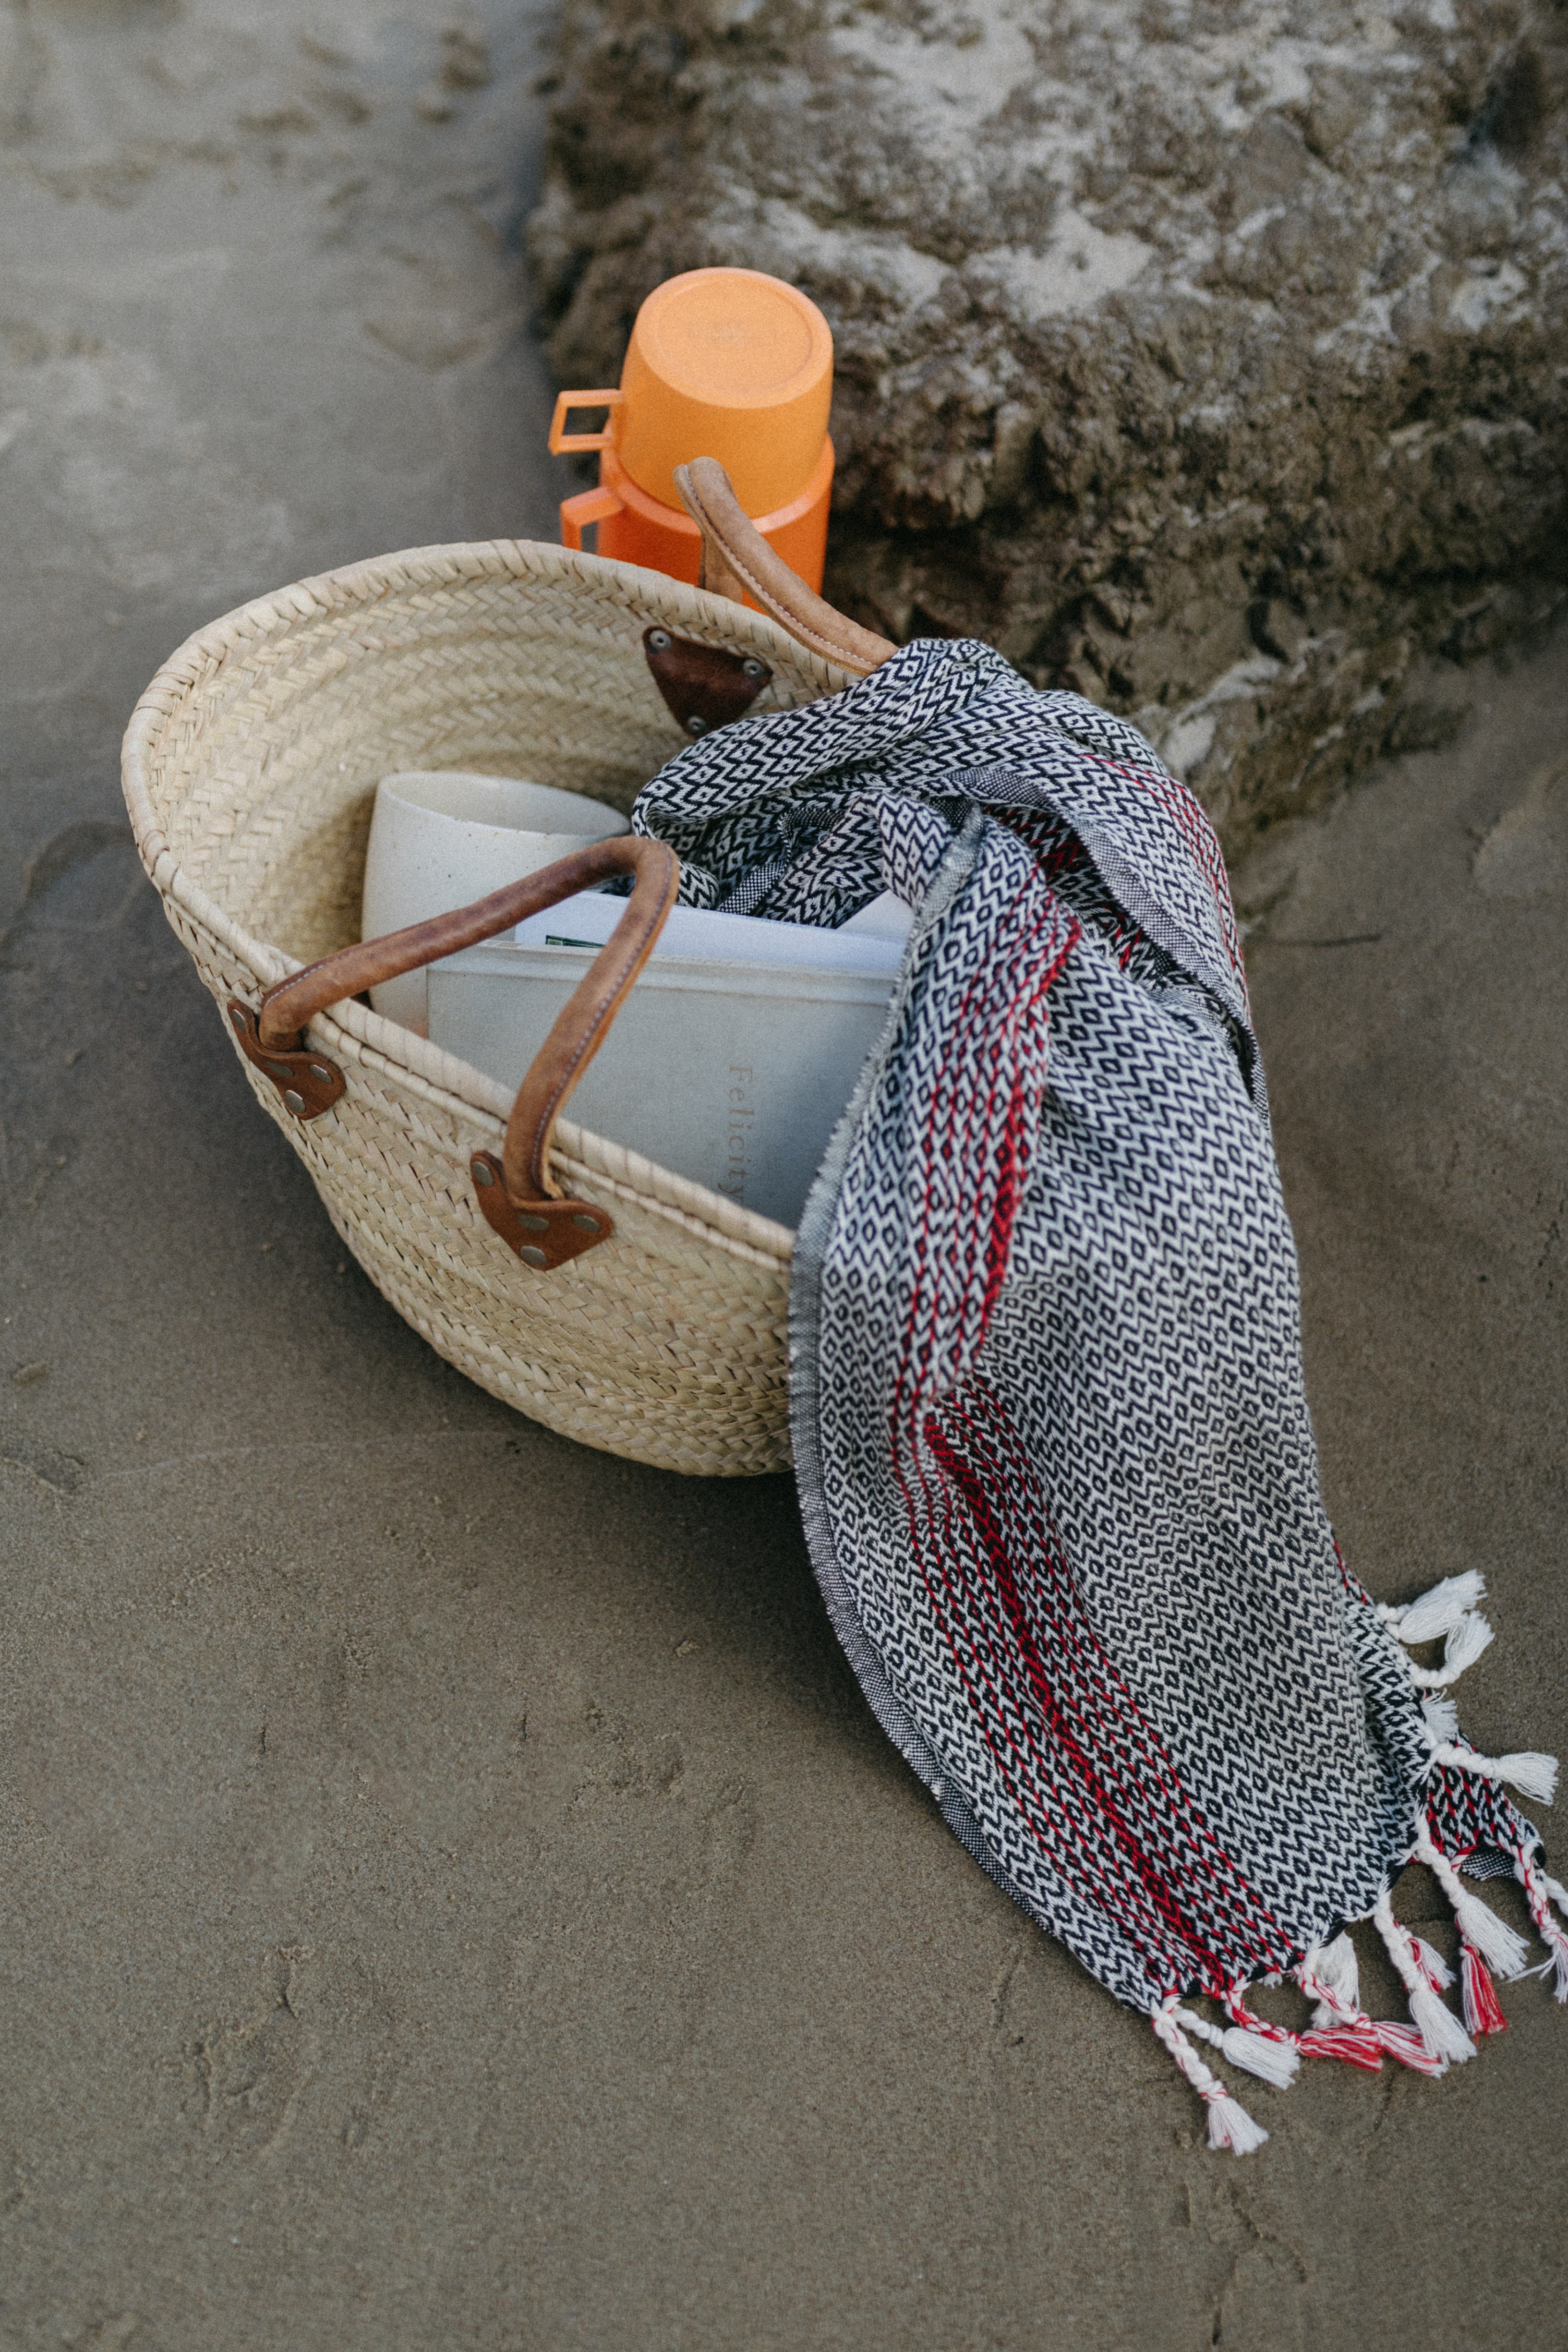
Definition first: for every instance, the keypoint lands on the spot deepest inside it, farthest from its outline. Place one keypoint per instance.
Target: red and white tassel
(1482, 2014)
(1529, 1772)
(1355, 2046)
(1432, 1964)
(1340, 2028)
(1337, 1972)
(1559, 1895)
(1443, 2038)
(1412, 2044)
(1540, 1893)
(1504, 1952)
(1230, 2126)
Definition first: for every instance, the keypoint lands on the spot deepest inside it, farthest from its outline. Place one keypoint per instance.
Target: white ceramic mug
(440, 839)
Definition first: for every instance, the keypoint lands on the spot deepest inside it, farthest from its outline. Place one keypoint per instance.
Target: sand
(451, 1891)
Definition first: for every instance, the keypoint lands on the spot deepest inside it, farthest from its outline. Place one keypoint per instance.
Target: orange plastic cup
(725, 364)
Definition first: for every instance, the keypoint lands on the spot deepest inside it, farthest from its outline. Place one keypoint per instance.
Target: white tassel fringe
(1466, 1642)
(1335, 1967)
(1434, 1613)
(1557, 1944)
(1504, 1952)
(1329, 1973)
(1336, 1964)
(1540, 1893)
(1230, 2126)
(1528, 1770)
(1432, 1965)
(1439, 2029)
(1256, 2054)
(1442, 1717)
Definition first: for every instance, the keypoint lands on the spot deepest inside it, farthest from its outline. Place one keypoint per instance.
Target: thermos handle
(737, 562)
(517, 1193)
(589, 505)
(568, 444)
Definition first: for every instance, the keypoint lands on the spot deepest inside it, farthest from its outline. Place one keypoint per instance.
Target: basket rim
(650, 597)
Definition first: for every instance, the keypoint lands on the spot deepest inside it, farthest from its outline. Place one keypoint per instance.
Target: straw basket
(250, 768)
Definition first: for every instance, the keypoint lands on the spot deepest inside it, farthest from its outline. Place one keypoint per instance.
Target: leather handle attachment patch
(704, 685)
(307, 1082)
(544, 1234)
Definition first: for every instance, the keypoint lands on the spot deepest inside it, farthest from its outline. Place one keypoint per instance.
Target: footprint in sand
(1525, 854)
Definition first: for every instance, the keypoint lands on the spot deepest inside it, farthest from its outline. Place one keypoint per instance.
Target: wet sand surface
(451, 1891)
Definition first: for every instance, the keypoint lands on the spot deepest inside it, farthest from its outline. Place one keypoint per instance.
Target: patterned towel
(1055, 1459)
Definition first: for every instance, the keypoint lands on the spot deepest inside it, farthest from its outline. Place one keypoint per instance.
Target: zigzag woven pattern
(1056, 1461)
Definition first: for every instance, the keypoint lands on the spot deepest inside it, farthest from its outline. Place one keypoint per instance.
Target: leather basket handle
(737, 561)
(517, 1193)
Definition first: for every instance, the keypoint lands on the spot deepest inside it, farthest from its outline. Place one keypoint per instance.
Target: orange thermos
(724, 363)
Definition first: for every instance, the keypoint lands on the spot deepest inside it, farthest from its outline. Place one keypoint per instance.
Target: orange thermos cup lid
(732, 364)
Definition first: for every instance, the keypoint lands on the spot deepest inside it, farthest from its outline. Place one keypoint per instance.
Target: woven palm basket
(251, 769)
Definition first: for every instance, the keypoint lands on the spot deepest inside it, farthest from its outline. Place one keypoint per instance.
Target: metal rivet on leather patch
(695, 726)
(753, 668)
(534, 1224)
(237, 1017)
(532, 1256)
(586, 1225)
(281, 1069)
(658, 639)
(482, 1173)
(293, 1100)
(320, 1070)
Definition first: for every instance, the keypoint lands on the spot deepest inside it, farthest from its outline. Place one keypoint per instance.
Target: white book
(733, 1056)
(698, 934)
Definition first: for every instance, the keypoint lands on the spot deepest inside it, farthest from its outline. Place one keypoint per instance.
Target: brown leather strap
(737, 562)
(583, 1023)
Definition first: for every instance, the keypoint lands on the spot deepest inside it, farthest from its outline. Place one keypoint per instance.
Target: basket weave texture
(250, 768)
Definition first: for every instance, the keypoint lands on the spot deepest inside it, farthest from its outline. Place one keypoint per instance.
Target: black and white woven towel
(1054, 1453)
